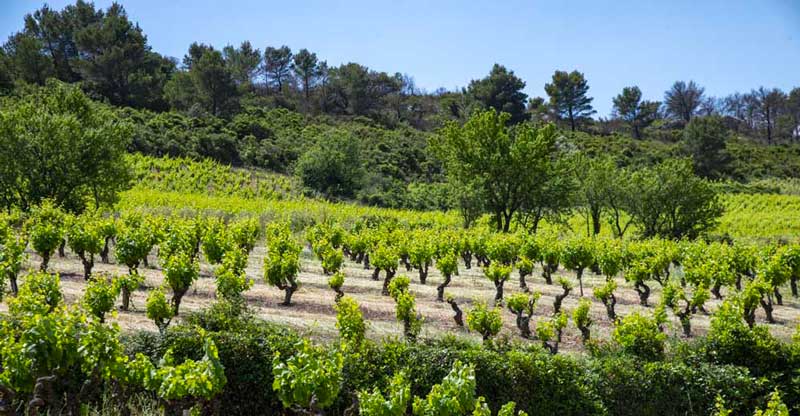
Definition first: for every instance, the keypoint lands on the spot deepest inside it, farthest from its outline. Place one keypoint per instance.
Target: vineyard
(370, 278)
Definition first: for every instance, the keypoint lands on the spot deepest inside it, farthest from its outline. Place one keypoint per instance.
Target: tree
(639, 114)
(214, 83)
(332, 166)
(282, 263)
(671, 202)
(683, 100)
(508, 168)
(207, 82)
(306, 69)
(310, 379)
(26, 60)
(768, 102)
(85, 238)
(57, 144)
(583, 319)
(243, 63)
(277, 66)
(501, 90)
(498, 274)
(46, 228)
(484, 321)
(577, 255)
(705, 140)
(180, 271)
(116, 62)
(568, 96)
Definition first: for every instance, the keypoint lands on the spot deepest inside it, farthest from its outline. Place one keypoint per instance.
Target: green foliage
(99, 296)
(134, 242)
(158, 309)
(568, 97)
(231, 278)
(705, 140)
(85, 235)
(41, 291)
(454, 396)
(57, 144)
(202, 379)
(640, 335)
(46, 228)
(216, 241)
(671, 202)
(484, 321)
(582, 318)
(506, 170)
(501, 90)
(775, 406)
(12, 257)
(395, 404)
(350, 321)
(180, 271)
(333, 166)
(310, 379)
(282, 263)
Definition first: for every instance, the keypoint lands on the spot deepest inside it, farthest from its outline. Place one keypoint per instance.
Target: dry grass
(313, 314)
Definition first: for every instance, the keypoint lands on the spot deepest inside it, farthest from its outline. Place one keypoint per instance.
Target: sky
(724, 45)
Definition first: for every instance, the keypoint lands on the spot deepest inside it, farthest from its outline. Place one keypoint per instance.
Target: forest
(252, 231)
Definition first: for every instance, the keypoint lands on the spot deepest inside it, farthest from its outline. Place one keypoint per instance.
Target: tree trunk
(104, 251)
(498, 296)
(793, 284)
(61, 248)
(547, 273)
(609, 304)
(715, 290)
(126, 298)
(522, 283)
(177, 297)
(88, 264)
(366, 261)
(339, 294)
(45, 261)
(458, 317)
(404, 259)
(386, 281)
(557, 302)
(524, 325)
(767, 305)
(423, 273)
(644, 292)
(14, 287)
(579, 272)
(288, 292)
(778, 296)
(441, 287)
(686, 324)
(467, 257)
(585, 333)
(376, 274)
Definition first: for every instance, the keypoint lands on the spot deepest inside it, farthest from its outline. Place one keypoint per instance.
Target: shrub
(158, 309)
(582, 318)
(394, 404)
(99, 296)
(46, 228)
(180, 271)
(641, 336)
(310, 379)
(85, 238)
(484, 321)
(350, 321)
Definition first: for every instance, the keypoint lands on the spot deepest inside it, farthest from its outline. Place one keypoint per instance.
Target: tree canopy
(57, 144)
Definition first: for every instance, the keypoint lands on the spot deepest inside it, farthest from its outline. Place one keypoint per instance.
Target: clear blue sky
(724, 45)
